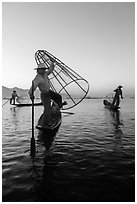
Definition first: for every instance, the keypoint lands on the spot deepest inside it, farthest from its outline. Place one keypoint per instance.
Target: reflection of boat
(47, 136)
(55, 120)
(109, 106)
(26, 104)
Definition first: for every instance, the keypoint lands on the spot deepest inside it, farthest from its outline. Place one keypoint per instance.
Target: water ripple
(91, 158)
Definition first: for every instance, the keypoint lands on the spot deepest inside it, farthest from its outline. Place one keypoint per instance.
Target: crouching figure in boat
(43, 83)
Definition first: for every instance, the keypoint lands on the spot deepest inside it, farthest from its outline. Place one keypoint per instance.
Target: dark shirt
(118, 93)
(14, 95)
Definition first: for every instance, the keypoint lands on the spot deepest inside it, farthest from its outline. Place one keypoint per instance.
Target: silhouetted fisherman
(116, 100)
(43, 83)
(14, 95)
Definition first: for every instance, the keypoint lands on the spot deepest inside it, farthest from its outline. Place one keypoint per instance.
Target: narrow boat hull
(49, 128)
(55, 121)
(26, 104)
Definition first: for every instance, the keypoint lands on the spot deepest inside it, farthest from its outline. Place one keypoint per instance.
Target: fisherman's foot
(64, 103)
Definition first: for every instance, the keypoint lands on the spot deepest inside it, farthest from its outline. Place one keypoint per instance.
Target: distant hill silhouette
(6, 92)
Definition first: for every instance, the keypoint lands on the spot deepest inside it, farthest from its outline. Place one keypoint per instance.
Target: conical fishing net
(110, 97)
(63, 80)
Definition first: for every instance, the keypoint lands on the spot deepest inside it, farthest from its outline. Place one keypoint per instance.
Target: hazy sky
(97, 40)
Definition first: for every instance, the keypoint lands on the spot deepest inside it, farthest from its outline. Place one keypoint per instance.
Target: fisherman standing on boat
(43, 83)
(116, 100)
(14, 95)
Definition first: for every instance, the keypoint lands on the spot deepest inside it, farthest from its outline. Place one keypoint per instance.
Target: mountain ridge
(6, 92)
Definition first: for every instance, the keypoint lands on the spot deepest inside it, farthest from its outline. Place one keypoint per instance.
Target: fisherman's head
(14, 91)
(41, 68)
(119, 87)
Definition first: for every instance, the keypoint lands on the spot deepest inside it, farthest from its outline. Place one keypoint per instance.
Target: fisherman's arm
(121, 95)
(33, 88)
(51, 68)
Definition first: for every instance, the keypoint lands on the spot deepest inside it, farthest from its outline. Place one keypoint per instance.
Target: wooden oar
(32, 139)
(5, 102)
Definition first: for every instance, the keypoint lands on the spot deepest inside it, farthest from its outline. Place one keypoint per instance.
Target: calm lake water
(92, 157)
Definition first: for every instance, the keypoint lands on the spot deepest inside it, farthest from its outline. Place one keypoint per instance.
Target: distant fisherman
(43, 83)
(14, 95)
(116, 100)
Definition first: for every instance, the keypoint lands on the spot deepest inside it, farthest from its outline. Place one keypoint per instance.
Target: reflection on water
(15, 118)
(90, 158)
(117, 128)
(43, 174)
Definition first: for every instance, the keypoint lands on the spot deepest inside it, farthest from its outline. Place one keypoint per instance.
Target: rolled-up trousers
(56, 97)
(116, 101)
(46, 101)
(12, 99)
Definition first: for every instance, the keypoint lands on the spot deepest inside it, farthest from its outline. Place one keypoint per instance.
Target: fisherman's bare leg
(14, 100)
(117, 102)
(10, 100)
(46, 100)
(114, 100)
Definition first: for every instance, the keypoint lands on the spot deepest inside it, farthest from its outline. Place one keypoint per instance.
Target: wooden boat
(26, 104)
(55, 120)
(46, 138)
(109, 106)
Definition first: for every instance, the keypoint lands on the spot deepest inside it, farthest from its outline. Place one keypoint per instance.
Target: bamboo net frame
(63, 80)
